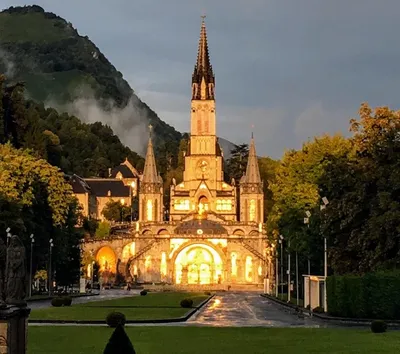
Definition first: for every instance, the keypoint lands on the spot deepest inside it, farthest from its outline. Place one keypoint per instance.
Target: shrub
(361, 296)
(143, 293)
(187, 303)
(119, 343)
(57, 302)
(114, 319)
(378, 326)
(67, 300)
(318, 309)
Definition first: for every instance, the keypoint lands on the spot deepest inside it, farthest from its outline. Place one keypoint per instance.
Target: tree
(103, 230)
(296, 189)
(364, 190)
(236, 165)
(119, 343)
(267, 168)
(36, 199)
(115, 211)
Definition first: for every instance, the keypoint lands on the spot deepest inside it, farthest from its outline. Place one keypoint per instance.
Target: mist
(6, 64)
(130, 123)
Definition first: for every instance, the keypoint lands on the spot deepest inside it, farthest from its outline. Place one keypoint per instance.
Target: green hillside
(58, 64)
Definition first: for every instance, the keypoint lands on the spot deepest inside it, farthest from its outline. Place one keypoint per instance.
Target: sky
(293, 69)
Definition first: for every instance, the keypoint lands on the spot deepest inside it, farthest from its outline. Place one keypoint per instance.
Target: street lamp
(288, 273)
(51, 245)
(122, 208)
(132, 193)
(281, 238)
(325, 202)
(8, 235)
(31, 265)
(307, 222)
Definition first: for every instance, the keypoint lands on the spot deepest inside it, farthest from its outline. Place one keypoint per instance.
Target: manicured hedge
(373, 296)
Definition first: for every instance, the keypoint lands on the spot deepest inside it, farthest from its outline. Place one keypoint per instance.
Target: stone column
(13, 330)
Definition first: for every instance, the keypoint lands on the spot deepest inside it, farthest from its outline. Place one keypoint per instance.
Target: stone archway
(198, 263)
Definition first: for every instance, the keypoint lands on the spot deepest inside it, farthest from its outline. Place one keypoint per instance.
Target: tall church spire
(150, 169)
(203, 79)
(252, 171)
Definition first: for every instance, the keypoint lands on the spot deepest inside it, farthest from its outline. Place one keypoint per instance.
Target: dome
(207, 227)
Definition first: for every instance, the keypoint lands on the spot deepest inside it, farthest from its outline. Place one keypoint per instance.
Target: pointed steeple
(252, 171)
(203, 79)
(150, 169)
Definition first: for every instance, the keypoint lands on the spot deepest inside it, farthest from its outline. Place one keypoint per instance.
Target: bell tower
(151, 189)
(251, 190)
(202, 127)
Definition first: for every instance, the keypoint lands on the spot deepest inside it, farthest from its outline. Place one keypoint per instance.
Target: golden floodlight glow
(198, 264)
(106, 259)
(128, 251)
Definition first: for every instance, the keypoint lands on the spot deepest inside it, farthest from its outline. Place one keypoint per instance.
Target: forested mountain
(85, 149)
(60, 66)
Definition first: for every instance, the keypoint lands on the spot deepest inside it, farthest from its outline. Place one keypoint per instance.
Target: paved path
(233, 309)
(248, 310)
(104, 295)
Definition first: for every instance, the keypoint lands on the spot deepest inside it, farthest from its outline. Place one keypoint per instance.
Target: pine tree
(119, 343)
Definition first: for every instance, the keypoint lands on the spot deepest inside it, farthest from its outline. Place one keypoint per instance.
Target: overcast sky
(293, 68)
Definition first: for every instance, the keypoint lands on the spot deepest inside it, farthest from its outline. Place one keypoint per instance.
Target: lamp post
(122, 207)
(132, 194)
(288, 274)
(307, 222)
(51, 245)
(8, 235)
(281, 238)
(325, 202)
(31, 265)
(277, 273)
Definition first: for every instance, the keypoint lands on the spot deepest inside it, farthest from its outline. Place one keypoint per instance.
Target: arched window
(252, 210)
(149, 210)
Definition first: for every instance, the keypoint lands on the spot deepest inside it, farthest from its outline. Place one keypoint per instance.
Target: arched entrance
(198, 264)
(106, 259)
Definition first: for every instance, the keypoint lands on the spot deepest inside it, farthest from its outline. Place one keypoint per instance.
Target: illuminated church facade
(213, 235)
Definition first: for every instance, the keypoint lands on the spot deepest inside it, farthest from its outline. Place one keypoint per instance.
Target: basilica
(215, 233)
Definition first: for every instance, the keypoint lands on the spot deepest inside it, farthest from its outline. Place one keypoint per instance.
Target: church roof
(126, 170)
(79, 186)
(103, 187)
(207, 227)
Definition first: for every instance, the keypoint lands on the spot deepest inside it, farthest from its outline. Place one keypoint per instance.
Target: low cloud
(130, 123)
(7, 64)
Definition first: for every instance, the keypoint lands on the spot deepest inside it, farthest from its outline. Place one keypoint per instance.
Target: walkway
(230, 309)
(248, 310)
(104, 295)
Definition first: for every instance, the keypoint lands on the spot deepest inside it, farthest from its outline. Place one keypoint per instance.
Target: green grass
(31, 27)
(200, 340)
(152, 306)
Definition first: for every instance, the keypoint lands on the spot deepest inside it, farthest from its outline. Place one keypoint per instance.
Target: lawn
(152, 306)
(200, 340)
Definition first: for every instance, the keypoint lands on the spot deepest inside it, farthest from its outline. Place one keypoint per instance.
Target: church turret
(151, 189)
(252, 175)
(251, 190)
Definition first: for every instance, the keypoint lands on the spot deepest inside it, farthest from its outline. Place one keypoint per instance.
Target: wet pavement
(249, 310)
(104, 295)
(230, 309)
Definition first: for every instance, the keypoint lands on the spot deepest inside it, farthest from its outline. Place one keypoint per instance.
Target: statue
(3, 258)
(16, 273)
